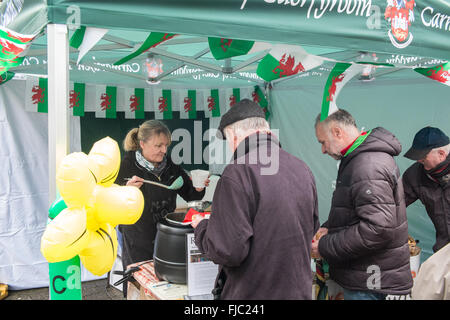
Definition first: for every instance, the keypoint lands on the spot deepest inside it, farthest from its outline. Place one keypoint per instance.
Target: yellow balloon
(118, 204)
(74, 180)
(65, 236)
(101, 252)
(104, 158)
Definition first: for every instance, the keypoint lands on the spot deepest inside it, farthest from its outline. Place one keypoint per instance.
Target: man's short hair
(341, 116)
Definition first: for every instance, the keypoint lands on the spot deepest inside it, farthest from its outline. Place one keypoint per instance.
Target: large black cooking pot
(170, 248)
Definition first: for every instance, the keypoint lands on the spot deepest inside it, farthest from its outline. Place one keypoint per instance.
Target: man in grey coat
(264, 214)
(429, 179)
(365, 239)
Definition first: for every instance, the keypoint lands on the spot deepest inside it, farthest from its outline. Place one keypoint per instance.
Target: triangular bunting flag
(134, 103)
(162, 104)
(440, 73)
(188, 104)
(154, 39)
(12, 44)
(339, 76)
(106, 102)
(6, 76)
(286, 60)
(36, 94)
(259, 97)
(223, 48)
(85, 38)
(211, 103)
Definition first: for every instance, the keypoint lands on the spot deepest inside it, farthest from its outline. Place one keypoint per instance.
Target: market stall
(392, 94)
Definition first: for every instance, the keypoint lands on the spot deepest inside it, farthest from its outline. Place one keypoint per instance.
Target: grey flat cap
(243, 109)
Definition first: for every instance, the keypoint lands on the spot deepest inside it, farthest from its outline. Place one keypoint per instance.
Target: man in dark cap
(264, 214)
(428, 179)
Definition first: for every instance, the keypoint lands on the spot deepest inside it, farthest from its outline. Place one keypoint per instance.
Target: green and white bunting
(77, 98)
(85, 38)
(259, 97)
(36, 94)
(211, 103)
(223, 48)
(154, 39)
(134, 103)
(12, 44)
(188, 104)
(6, 76)
(232, 95)
(339, 76)
(286, 60)
(106, 102)
(440, 73)
(162, 104)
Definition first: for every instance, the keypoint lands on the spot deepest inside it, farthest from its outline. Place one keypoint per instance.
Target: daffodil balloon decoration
(95, 205)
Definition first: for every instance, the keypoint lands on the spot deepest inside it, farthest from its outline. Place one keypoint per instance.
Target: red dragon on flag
(187, 104)
(105, 101)
(211, 103)
(225, 44)
(333, 87)
(438, 73)
(232, 100)
(74, 99)
(38, 96)
(162, 104)
(287, 66)
(135, 103)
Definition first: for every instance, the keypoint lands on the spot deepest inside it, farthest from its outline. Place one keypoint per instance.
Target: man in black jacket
(264, 214)
(365, 240)
(429, 179)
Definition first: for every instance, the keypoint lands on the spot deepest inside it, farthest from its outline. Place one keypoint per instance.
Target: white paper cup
(199, 177)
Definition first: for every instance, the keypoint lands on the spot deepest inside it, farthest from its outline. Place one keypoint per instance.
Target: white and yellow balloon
(95, 205)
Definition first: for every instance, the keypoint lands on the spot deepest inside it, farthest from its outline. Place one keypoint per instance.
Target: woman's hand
(135, 181)
(196, 218)
(207, 181)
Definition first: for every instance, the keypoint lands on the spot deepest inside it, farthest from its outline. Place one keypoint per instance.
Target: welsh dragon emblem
(134, 105)
(287, 66)
(38, 96)
(105, 101)
(333, 87)
(211, 103)
(74, 99)
(187, 104)
(162, 104)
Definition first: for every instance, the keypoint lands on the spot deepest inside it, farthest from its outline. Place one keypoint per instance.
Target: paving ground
(92, 290)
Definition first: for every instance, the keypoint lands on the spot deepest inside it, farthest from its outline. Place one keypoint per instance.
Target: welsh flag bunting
(188, 104)
(339, 76)
(154, 39)
(12, 44)
(134, 103)
(106, 102)
(286, 60)
(232, 95)
(85, 38)
(162, 104)
(6, 76)
(36, 95)
(77, 97)
(211, 103)
(259, 97)
(222, 48)
(439, 73)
